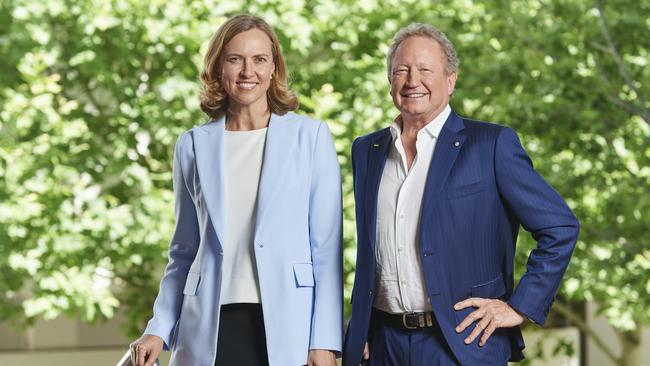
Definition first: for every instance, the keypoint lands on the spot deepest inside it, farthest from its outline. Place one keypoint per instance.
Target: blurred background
(93, 94)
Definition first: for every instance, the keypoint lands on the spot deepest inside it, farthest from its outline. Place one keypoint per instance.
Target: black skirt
(242, 340)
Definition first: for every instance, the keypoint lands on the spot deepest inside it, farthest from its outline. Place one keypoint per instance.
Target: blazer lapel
(449, 143)
(281, 138)
(376, 161)
(209, 152)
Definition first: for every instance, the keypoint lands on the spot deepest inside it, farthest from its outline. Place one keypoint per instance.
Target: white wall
(595, 357)
(71, 342)
(65, 342)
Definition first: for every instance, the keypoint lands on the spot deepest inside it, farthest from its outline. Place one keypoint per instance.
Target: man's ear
(451, 83)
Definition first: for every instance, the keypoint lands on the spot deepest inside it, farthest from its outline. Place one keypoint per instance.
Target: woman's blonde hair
(214, 100)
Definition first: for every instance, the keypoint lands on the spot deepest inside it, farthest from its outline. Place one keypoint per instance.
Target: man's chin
(413, 112)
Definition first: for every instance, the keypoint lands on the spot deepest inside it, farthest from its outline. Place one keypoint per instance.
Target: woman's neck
(247, 118)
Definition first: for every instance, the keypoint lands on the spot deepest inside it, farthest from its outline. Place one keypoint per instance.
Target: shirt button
(221, 252)
(401, 216)
(260, 245)
(400, 249)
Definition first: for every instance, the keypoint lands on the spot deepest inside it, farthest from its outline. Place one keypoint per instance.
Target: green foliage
(93, 94)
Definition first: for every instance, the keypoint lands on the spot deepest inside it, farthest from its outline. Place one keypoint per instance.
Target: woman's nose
(246, 70)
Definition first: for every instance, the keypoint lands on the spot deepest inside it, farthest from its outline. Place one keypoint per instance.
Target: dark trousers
(242, 340)
(400, 347)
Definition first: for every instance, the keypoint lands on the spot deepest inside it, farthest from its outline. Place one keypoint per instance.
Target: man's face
(419, 85)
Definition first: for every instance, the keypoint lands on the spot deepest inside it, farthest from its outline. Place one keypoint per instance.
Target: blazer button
(370, 293)
(221, 252)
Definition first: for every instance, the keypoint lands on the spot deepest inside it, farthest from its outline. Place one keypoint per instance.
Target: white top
(243, 155)
(400, 280)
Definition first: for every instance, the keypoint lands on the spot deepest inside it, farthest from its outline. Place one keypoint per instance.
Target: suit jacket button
(370, 293)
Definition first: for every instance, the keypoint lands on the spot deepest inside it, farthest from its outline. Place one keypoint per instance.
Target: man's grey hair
(427, 31)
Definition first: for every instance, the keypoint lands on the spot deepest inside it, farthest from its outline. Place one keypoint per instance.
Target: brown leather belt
(408, 321)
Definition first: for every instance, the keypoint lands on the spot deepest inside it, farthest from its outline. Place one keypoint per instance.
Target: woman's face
(246, 69)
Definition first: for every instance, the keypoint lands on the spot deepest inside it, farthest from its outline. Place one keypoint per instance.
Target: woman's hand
(321, 357)
(366, 352)
(145, 350)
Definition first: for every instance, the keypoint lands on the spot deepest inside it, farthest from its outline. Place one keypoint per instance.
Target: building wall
(65, 342)
(68, 342)
(595, 357)
(71, 342)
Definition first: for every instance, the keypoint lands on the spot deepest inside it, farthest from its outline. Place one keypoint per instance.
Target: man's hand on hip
(489, 315)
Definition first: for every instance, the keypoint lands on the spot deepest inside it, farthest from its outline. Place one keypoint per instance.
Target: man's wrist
(524, 316)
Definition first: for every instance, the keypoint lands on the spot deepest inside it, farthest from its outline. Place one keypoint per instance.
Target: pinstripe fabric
(480, 188)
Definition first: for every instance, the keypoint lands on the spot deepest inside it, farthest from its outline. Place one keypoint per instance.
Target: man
(439, 200)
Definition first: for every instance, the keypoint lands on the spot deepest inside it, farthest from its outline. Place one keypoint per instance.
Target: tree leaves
(94, 93)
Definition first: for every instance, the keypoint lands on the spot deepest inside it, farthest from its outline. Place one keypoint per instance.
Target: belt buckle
(404, 322)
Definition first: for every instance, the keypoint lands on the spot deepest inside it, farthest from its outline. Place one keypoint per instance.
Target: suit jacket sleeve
(182, 250)
(325, 234)
(543, 213)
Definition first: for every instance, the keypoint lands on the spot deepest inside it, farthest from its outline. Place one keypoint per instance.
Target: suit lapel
(281, 138)
(209, 152)
(376, 161)
(449, 143)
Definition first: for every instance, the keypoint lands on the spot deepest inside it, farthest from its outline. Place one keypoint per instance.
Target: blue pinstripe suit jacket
(480, 188)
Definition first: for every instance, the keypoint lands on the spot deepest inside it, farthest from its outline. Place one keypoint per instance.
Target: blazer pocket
(465, 190)
(493, 289)
(304, 274)
(191, 283)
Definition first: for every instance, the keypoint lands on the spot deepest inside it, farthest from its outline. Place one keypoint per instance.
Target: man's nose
(413, 78)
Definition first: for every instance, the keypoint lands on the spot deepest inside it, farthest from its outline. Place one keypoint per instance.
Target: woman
(255, 269)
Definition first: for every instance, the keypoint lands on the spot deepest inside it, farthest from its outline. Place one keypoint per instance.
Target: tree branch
(613, 96)
(611, 48)
(576, 320)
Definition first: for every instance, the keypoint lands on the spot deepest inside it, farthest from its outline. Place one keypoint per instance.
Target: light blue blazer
(298, 244)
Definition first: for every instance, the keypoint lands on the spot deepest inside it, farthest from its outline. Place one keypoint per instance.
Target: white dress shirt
(400, 280)
(244, 152)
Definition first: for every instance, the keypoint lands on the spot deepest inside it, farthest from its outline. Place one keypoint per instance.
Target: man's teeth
(414, 95)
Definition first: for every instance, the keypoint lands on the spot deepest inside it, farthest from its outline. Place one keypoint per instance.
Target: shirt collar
(432, 129)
